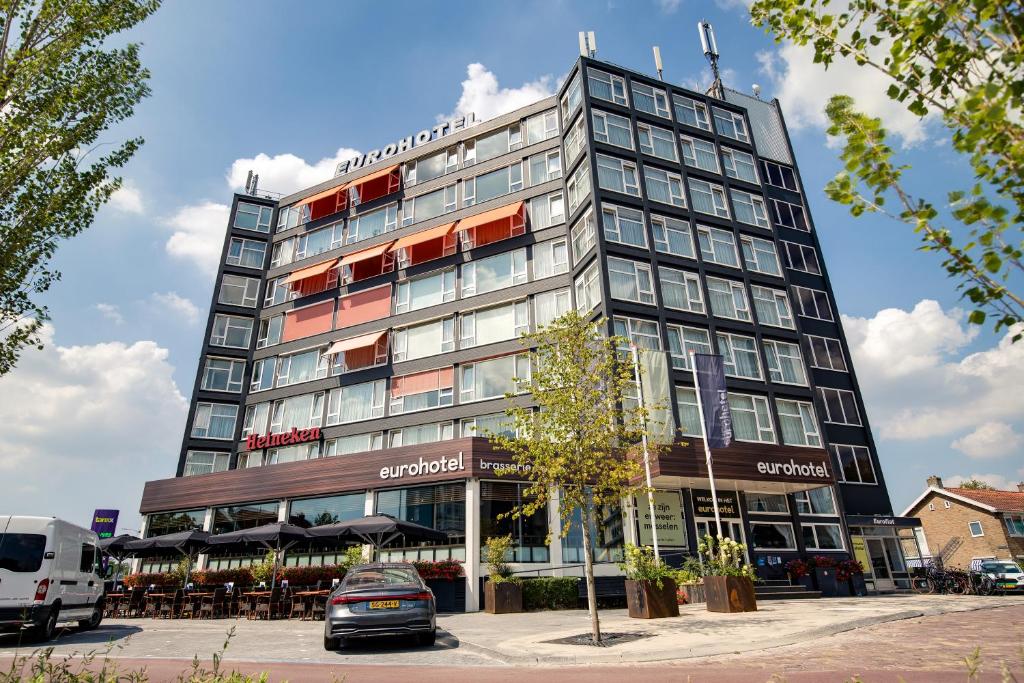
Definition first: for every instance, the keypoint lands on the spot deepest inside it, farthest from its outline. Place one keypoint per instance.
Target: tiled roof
(1004, 501)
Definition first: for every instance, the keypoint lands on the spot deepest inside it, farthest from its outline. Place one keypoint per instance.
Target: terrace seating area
(219, 602)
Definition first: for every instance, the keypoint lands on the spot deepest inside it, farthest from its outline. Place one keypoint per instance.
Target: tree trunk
(588, 570)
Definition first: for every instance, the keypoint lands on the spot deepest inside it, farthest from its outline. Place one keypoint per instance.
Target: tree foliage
(61, 88)
(962, 61)
(574, 446)
(976, 485)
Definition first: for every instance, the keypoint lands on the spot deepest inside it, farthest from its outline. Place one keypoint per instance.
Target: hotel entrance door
(881, 564)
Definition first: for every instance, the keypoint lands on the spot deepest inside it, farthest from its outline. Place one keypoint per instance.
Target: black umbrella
(189, 543)
(114, 547)
(377, 530)
(278, 537)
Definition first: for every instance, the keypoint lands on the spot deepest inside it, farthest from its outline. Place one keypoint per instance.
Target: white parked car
(49, 573)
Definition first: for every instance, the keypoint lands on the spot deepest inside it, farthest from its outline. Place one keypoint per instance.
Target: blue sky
(282, 88)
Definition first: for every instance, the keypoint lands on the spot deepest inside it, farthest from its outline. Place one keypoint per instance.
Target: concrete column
(472, 566)
(629, 523)
(555, 528)
(368, 509)
(203, 559)
(282, 511)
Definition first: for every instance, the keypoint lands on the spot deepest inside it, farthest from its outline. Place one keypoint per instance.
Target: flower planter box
(807, 581)
(503, 598)
(646, 600)
(695, 594)
(825, 581)
(449, 595)
(730, 594)
(857, 585)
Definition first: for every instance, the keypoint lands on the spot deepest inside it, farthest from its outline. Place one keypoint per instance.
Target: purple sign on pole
(104, 523)
(714, 399)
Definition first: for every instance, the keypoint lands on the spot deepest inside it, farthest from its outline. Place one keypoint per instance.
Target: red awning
(311, 271)
(494, 215)
(358, 256)
(422, 236)
(373, 176)
(359, 342)
(323, 195)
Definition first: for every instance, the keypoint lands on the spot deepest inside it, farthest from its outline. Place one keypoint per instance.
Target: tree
(963, 61)
(60, 89)
(575, 443)
(976, 485)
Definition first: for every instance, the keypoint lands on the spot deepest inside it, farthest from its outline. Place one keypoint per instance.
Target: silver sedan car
(380, 599)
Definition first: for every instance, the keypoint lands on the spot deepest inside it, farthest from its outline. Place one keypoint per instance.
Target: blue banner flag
(710, 373)
(104, 523)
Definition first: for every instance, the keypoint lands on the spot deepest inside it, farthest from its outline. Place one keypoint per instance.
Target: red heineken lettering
(255, 442)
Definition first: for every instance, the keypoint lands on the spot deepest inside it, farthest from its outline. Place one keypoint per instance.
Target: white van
(49, 573)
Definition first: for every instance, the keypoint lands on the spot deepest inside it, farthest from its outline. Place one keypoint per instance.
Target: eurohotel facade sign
(405, 144)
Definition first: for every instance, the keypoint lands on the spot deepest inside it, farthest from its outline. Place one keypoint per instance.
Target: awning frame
(375, 185)
(514, 214)
(406, 250)
(347, 264)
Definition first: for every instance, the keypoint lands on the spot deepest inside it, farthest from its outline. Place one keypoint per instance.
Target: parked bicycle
(933, 580)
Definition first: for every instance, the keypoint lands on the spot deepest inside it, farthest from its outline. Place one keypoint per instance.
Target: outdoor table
(256, 594)
(310, 594)
(118, 595)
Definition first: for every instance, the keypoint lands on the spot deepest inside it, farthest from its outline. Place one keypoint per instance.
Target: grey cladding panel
(769, 135)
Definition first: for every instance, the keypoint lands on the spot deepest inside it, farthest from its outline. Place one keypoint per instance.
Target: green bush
(551, 592)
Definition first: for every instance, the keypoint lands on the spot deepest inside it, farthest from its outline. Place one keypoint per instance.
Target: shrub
(641, 565)
(845, 569)
(145, 580)
(308, 576)
(263, 571)
(551, 592)
(240, 576)
(723, 556)
(798, 568)
(441, 569)
(822, 562)
(496, 552)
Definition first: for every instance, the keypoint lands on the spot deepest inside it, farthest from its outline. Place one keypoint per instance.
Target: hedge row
(551, 592)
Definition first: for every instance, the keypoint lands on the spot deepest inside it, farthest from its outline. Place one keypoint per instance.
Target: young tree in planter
(576, 442)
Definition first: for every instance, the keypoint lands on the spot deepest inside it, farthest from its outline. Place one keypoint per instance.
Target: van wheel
(46, 631)
(94, 619)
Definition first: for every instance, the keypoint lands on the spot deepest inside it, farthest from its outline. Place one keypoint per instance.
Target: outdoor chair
(134, 604)
(246, 606)
(299, 608)
(151, 607)
(268, 605)
(170, 608)
(189, 606)
(213, 605)
(318, 607)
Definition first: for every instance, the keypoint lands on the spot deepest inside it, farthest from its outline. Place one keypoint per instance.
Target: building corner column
(472, 566)
(203, 560)
(555, 530)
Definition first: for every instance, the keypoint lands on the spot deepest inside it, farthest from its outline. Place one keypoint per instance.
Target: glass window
(691, 113)
(253, 217)
(855, 464)
(424, 339)
(976, 529)
(739, 355)
(751, 419)
(779, 176)
(749, 209)
(298, 412)
(264, 372)
(249, 516)
(214, 421)
(605, 86)
(246, 253)
(270, 331)
(256, 417)
(494, 272)
(840, 406)
(687, 412)
(650, 100)
(575, 140)
(529, 533)
(797, 422)
(354, 443)
(817, 501)
(772, 306)
(760, 256)
(303, 366)
(717, 246)
(356, 402)
(544, 167)
(205, 462)
(767, 503)
(612, 129)
(680, 290)
(617, 175)
(231, 331)
(441, 507)
(492, 423)
(785, 365)
(420, 434)
(672, 236)
(657, 142)
(277, 292)
(546, 210)
(728, 299)
(420, 208)
(548, 306)
(813, 303)
(423, 292)
(682, 340)
(800, 257)
(379, 221)
(161, 523)
(427, 168)
(789, 215)
(699, 154)
(822, 536)
(494, 184)
(540, 127)
(236, 290)
(772, 536)
(550, 258)
(497, 143)
(630, 280)
(491, 325)
(739, 165)
(318, 241)
(414, 400)
(583, 236)
(643, 333)
(1014, 527)
(623, 225)
(606, 532)
(572, 97)
(283, 252)
(493, 378)
(664, 187)
(588, 289)
(311, 512)
(730, 124)
(223, 374)
(708, 198)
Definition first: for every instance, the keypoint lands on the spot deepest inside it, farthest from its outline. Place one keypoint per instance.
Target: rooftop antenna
(710, 47)
(251, 181)
(657, 61)
(588, 44)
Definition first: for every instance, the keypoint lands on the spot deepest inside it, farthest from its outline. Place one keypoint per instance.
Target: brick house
(961, 525)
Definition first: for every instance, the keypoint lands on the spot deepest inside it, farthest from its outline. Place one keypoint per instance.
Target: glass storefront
(606, 533)
(529, 533)
(441, 507)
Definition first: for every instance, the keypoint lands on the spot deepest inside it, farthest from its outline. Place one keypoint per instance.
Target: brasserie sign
(406, 143)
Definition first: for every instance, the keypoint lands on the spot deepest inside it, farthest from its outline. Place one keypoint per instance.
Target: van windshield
(22, 552)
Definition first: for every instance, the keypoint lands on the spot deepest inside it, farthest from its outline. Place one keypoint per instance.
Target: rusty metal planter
(647, 601)
(730, 594)
(503, 598)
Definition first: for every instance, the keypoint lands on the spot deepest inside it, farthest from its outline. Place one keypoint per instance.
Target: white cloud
(111, 313)
(995, 480)
(990, 440)
(127, 198)
(804, 89)
(175, 303)
(668, 6)
(199, 234)
(482, 95)
(85, 426)
(286, 173)
(915, 385)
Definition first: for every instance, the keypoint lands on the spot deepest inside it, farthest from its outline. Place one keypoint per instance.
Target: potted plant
(728, 579)
(502, 592)
(825, 575)
(690, 583)
(441, 576)
(851, 573)
(800, 573)
(650, 586)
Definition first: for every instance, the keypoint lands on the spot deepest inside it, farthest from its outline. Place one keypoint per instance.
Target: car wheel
(94, 619)
(332, 644)
(428, 638)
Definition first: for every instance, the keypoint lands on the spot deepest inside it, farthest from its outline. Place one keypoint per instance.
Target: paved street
(924, 648)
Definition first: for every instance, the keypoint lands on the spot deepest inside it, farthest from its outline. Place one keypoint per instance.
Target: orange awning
(359, 342)
(324, 194)
(358, 256)
(486, 217)
(373, 176)
(422, 236)
(311, 271)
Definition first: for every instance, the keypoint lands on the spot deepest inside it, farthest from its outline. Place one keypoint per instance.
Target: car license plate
(384, 604)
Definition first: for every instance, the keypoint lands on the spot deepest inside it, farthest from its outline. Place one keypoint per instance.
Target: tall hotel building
(363, 329)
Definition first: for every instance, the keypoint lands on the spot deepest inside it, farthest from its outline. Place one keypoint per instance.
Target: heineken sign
(295, 436)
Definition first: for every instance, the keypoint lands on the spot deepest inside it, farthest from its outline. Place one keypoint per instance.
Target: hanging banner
(657, 386)
(714, 399)
(104, 522)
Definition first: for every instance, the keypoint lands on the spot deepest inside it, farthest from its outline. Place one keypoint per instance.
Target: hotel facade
(363, 330)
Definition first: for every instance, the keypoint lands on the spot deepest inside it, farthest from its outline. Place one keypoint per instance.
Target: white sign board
(668, 512)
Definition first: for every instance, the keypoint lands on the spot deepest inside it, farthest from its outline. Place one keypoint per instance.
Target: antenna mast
(710, 47)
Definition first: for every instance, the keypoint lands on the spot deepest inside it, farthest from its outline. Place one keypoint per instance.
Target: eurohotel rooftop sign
(421, 138)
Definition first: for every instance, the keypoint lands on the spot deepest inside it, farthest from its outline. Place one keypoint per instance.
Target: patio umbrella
(377, 530)
(277, 537)
(189, 543)
(114, 547)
